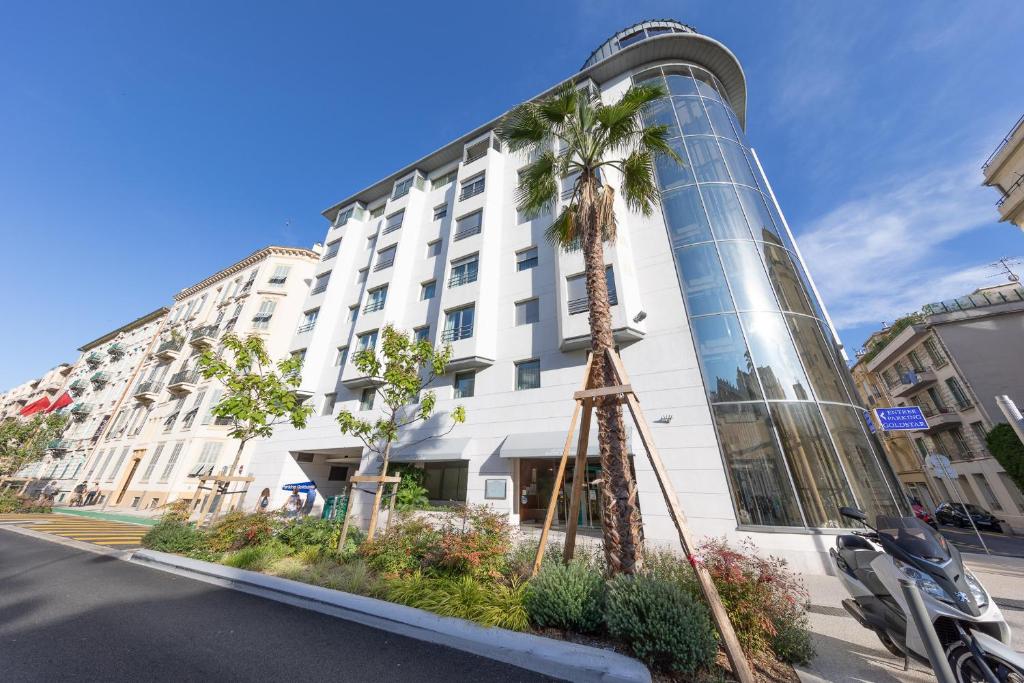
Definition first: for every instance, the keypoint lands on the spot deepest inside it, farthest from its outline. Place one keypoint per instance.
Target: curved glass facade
(791, 434)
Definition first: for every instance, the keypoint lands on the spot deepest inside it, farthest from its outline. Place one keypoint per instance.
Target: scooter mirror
(853, 513)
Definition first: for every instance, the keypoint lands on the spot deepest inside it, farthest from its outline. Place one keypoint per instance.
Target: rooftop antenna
(1003, 268)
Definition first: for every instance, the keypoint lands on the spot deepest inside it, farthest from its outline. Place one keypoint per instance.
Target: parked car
(922, 514)
(953, 513)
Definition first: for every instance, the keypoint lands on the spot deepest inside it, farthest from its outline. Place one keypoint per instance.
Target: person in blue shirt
(310, 500)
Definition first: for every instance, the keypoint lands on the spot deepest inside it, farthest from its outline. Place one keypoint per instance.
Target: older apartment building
(1004, 170)
(718, 321)
(164, 433)
(35, 395)
(952, 360)
(91, 393)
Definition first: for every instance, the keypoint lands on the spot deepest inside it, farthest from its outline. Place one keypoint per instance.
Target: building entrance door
(136, 459)
(536, 478)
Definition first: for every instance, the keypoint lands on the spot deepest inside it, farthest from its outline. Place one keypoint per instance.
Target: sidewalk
(849, 652)
(130, 517)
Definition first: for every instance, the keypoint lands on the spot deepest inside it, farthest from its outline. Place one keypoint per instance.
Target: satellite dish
(1013, 277)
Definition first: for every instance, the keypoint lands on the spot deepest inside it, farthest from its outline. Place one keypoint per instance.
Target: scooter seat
(853, 542)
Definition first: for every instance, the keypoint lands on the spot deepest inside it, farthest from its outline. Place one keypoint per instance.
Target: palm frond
(654, 141)
(622, 123)
(538, 184)
(524, 127)
(638, 186)
(563, 231)
(557, 108)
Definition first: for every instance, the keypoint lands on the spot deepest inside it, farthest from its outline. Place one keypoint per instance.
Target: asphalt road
(999, 544)
(67, 614)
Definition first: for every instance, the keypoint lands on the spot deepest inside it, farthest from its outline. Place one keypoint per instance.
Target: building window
(402, 187)
(321, 283)
(475, 151)
(428, 290)
(366, 341)
(978, 429)
(362, 275)
(446, 481)
(328, 406)
(353, 313)
(528, 374)
(344, 216)
(576, 287)
(421, 333)
(472, 187)
(440, 211)
(341, 356)
(366, 398)
(375, 299)
(464, 270)
(959, 395)
(394, 221)
(433, 248)
(299, 353)
(464, 384)
(378, 212)
(468, 225)
(309, 320)
(332, 249)
(442, 180)
(261, 320)
(458, 324)
(527, 312)
(526, 259)
(385, 258)
(931, 347)
(986, 492)
(280, 276)
(337, 473)
(171, 462)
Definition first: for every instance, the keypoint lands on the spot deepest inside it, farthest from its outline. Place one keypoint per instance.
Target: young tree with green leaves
(23, 442)
(258, 394)
(573, 134)
(400, 375)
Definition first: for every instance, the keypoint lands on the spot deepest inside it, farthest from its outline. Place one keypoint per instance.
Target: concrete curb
(69, 542)
(556, 658)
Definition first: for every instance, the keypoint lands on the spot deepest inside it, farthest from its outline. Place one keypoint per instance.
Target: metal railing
(466, 232)
(77, 385)
(471, 189)
(59, 445)
(332, 251)
(391, 227)
(100, 377)
(81, 409)
(1002, 143)
(374, 305)
(204, 332)
(306, 327)
(463, 277)
(1010, 190)
(94, 358)
(185, 377)
(170, 345)
(457, 333)
(149, 386)
(972, 301)
(319, 288)
(116, 349)
(965, 404)
(935, 411)
(476, 151)
(386, 263)
(582, 304)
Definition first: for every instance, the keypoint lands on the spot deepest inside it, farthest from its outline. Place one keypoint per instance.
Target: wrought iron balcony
(148, 390)
(117, 350)
(457, 333)
(463, 277)
(466, 232)
(81, 409)
(77, 386)
(913, 381)
(204, 336)
(100, 378)
(169, 348)
(94, 358)
(59, 445)
(184, 381)
(374, 305)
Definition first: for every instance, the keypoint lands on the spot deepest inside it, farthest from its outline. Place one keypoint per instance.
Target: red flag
(62, 401)
(35, 407)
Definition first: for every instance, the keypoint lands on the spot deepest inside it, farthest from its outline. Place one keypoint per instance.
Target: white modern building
(726, 341)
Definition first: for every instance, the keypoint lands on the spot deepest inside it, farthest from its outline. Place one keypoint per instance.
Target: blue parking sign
(905, 419)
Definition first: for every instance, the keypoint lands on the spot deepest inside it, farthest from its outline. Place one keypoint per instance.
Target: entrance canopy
(434, 450)
(550, 444)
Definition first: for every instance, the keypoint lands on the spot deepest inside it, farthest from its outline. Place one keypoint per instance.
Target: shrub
(765, 600)
(661, 622)
(179, 511)
(1006, 448)
(238, 530)
(175, 537)
(310, 531)
(352, 577)
(257, 557)
(403, 547)
(10, 501)
(474, 543)
(412, 494)
(485, 602)
(569, 597)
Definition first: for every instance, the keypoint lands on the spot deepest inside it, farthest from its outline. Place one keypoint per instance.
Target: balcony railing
(185, 377)
(81, 409)
(463, 277)
(373, 305)
(94, 358)
(77, 386)
(117, 350)
(466, 232)
(170, 346)
(913, 381)
(100, 378)
(935, 411)
(386, 263)
(306, 327)
(1002, 143)
(471, 190)
(59, 445)
(582, 305)
(149, 387)
(964, 404)
(204, 335)
(980, 300)
(457, 333)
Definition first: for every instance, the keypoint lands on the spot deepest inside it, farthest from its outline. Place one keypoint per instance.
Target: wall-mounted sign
(905, 419)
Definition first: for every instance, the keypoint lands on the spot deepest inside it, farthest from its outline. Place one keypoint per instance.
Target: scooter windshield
(914, 537)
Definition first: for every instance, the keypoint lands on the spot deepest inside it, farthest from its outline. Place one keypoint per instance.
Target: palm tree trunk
(621, 522)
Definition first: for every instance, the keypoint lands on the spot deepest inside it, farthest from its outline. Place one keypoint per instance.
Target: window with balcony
(394, 221)
(366, 341)
(468, 225)
(328, 405)
(527, 312)
(472, 187)
(428, 290)
(402, 187)
(528, 374)
(576, 287)
(340, 356)
(458, 324)
(440, 211)
(978, 429)
(366, 398)
(375, 299)
(190, 416)
(320, 284)
(279, 277)
(464, 384)
(464, 270)
(385, 258)
(332, 249)
(261, 320)
(915, 361)
(526, 259)
(309, 320)
(931, 347)
(421, 333)
(445, 179)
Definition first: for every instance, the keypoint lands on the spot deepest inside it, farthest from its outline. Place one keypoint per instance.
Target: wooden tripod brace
(585, 403)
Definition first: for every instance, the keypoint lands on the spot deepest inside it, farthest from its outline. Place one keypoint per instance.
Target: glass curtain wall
(792, 435)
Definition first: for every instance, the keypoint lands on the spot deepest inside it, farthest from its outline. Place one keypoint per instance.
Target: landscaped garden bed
(468, 564)
(12, 502)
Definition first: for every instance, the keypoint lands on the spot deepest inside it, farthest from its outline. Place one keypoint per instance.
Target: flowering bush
(474, 544)
(403, 548)
(238, 530)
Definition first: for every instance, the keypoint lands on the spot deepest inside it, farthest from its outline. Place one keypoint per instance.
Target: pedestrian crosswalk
(98, 531)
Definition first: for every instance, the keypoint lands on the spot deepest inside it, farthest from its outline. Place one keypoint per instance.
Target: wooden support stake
(577, 482)
(348, 514)
(603, 391)
(733, 650)
(391, 505)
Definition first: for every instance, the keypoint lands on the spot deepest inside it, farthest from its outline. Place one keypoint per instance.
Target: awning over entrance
(549, 444)
(433, 450)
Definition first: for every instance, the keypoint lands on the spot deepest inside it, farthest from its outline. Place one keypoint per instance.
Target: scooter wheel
(965, 668)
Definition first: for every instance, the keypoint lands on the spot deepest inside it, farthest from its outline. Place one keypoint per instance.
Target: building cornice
(149, 317)
(249, 260)
(690, 47)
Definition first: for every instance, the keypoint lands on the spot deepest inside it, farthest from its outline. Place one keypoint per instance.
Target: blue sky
(143, 147)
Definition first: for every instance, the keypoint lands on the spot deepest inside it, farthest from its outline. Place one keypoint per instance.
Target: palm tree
(572, 134)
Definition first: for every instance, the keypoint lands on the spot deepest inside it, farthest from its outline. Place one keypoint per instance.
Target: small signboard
(941, 467)
(906, 419)
(302, 486)
(871, 423)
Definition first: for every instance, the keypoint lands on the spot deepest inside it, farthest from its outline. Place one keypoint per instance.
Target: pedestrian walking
(93, 494)
(264, 502)
(78, 495)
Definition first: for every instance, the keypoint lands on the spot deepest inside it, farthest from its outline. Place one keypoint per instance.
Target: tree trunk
(621, 522)
(378, 493)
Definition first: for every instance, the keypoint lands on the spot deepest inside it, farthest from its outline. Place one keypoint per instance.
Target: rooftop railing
(972, 301)
(1003, 143)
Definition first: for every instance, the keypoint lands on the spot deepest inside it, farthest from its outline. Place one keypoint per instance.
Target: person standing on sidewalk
(94, 493)
(78, 495)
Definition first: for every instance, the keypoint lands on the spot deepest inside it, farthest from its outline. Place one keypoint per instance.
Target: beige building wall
(1004, 170)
